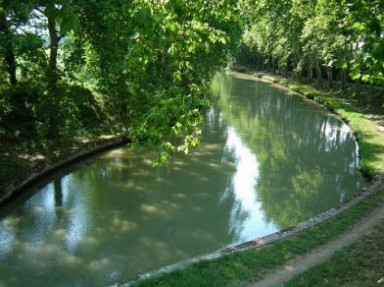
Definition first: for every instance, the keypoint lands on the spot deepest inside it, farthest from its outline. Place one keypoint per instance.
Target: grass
(238, 269)
(359, 265)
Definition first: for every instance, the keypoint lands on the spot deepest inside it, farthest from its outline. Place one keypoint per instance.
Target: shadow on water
(267, 161)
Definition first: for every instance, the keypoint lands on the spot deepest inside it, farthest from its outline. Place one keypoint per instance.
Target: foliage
(145, 64)
(298, 37)
(170, 52)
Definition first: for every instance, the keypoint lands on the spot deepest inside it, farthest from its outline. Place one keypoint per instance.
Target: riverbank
(243, 268)
(304, 271)
(24, 165)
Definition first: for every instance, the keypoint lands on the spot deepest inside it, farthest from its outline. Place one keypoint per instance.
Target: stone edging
(265, 240)
(14, 188)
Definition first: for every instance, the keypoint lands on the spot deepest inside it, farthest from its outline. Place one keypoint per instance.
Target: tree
(12, 15)
(181, 42)
(148, 62)
(343, 38)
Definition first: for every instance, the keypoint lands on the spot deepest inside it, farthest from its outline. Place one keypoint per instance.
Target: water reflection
(267, 161)
(246, 217)
(308, 158)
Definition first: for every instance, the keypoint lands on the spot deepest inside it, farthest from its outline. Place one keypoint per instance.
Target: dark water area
(268, 160)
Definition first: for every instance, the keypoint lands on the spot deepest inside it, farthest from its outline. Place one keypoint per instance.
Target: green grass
(359, 265)
(241, 268)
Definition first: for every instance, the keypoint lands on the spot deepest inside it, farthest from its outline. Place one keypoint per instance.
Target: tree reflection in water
(308, 159)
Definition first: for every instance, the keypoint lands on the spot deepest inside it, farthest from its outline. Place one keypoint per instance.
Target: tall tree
(12, 15)
(7, 40)
(343, 38)
(61, 19)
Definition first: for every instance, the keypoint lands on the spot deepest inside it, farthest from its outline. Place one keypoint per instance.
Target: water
(268, 160)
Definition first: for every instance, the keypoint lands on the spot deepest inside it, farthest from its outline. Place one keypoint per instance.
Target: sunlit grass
(359, 265)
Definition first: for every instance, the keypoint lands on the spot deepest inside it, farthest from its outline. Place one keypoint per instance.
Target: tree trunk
(52, 72)
(371, 87)
(330, 77)
(358, 85)
(310, 72)
(301, 73)
(9, 58)
(318, 72)
(343, 79)
(286, 69)
(52, 75)
(343, 76)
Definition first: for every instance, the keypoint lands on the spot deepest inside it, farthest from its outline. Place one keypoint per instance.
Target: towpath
(278, 277)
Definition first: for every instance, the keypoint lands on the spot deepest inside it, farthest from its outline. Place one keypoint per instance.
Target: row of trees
(141, 65)
(75, 66)
(331, 39)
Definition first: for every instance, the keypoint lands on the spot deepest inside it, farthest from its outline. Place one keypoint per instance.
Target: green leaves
(298, 35)
(146, 62)
(68, 19)
(158, 60)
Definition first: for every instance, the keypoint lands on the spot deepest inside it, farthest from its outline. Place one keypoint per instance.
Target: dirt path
(280, 276)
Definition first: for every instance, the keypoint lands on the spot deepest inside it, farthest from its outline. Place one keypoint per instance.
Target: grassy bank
(361, 264)
(250, 266)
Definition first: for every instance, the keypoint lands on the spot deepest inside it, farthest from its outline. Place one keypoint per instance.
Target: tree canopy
(300, 37)
(142, 67)
(138, 67)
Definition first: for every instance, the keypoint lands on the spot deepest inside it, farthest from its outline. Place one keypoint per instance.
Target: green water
(268, 160)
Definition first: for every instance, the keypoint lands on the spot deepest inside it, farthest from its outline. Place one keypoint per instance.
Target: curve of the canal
(267, 160)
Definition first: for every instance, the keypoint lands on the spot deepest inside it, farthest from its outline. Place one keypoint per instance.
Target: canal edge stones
(260, 242)
(32, 175)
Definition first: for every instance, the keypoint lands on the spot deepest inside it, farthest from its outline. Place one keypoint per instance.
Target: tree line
(317, 39)
(71, 68)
